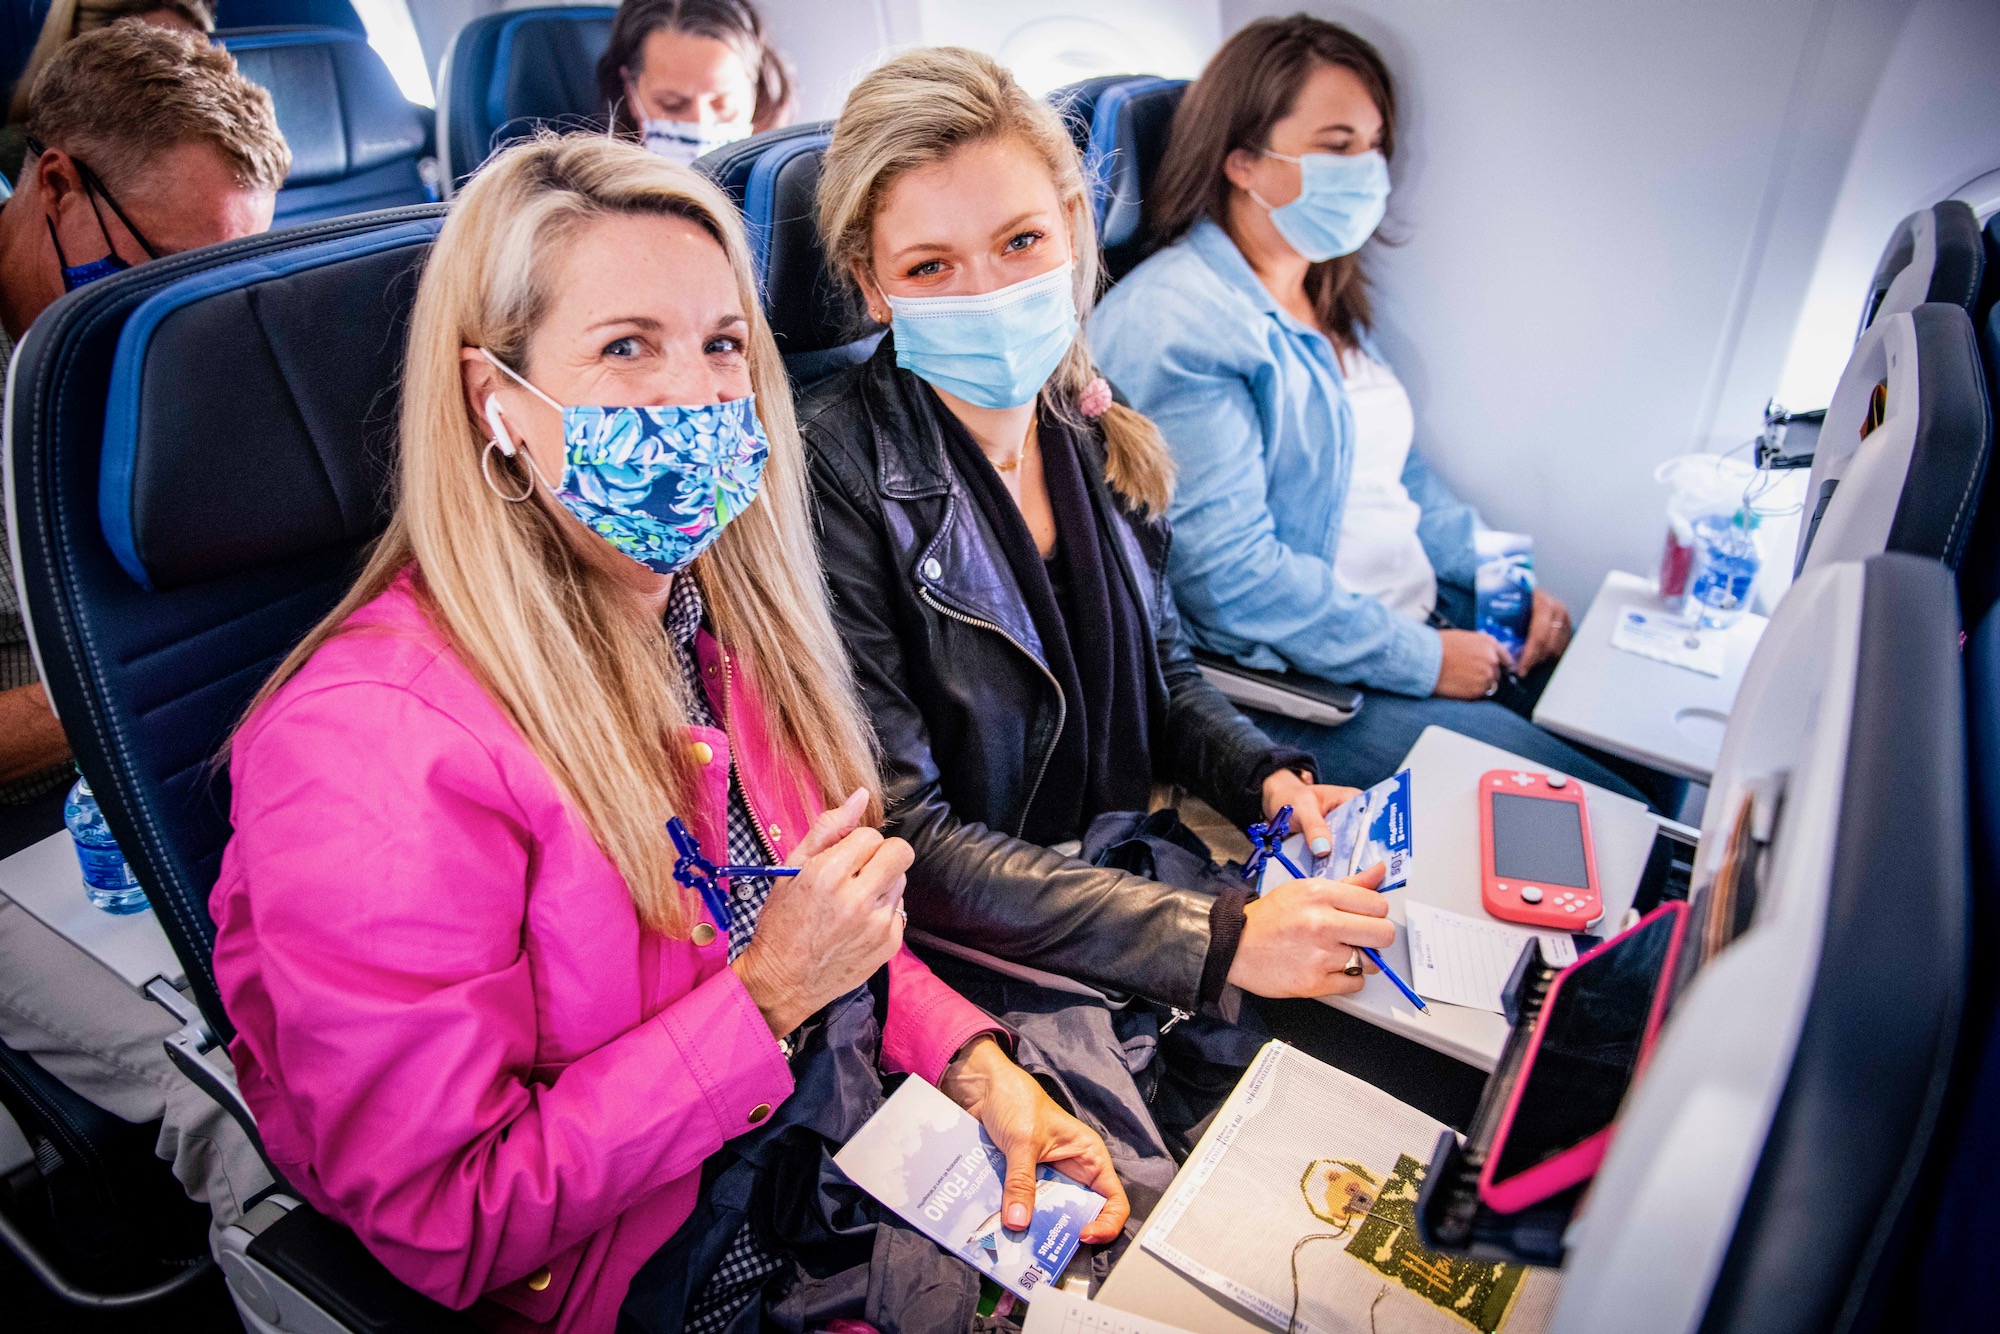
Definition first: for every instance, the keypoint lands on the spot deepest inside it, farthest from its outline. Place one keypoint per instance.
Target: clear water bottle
(106, 878)
(1724, 569)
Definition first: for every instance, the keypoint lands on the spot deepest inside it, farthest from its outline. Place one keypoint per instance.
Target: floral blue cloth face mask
(659, 483)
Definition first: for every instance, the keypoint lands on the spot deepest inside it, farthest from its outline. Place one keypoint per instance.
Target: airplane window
(1047, 45)
(394, 36)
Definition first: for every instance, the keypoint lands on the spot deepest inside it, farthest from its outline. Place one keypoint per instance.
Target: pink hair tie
(1095, 400)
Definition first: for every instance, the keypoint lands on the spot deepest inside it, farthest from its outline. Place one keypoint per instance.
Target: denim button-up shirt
(1251, 402)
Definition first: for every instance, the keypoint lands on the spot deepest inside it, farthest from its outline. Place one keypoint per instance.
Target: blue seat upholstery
(289, 13)
(20, 25)
(201, 448)
(1130, 121)
(508, 74)
(1078, 103)
(1933, 255)
(773, 177)
(181, 526)
(1963, 1229)
(356, 144)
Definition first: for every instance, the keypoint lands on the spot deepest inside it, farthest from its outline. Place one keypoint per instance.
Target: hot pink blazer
(456, 1036)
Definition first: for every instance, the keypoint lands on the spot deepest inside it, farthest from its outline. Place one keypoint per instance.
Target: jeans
(1371, 745)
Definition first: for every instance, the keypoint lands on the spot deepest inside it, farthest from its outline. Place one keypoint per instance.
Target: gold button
(704, 934)
(777, 832)
(539, 1280)
(703, 752)
(759, 1112)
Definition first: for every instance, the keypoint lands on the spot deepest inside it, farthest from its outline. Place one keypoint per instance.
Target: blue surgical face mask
(683, 141)
(79, 275)
(659, 483)
(1342, 198)
(994, 350)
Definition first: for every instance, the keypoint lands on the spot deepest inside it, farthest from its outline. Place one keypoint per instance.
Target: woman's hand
(826, 930)
(1299, 938)
(1311, 803)
(1472, 665)
(1548, 632)
(1026, 1125)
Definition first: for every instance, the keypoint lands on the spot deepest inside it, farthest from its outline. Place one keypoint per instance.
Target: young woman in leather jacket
(991, 530)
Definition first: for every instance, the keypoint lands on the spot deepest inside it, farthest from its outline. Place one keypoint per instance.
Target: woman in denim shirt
(1308, 535)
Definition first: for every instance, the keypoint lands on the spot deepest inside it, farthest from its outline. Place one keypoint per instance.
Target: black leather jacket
(967, 717)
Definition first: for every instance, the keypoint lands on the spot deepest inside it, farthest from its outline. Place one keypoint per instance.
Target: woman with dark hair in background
(687, 77)
(1310, 535)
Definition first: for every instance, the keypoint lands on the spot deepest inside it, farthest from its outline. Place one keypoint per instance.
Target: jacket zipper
(1062, 705)
(735, 775)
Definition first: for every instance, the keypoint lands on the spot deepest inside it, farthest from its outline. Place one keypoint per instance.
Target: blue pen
(1267, 841)
(698, 873)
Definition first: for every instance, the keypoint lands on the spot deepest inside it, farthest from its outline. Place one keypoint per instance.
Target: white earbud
(496, 422)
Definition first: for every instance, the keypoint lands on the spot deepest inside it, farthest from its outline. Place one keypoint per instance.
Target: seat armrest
(293, 1270)
(1289, 694)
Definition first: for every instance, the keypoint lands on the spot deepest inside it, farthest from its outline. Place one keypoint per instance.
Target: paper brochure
(924, 1157)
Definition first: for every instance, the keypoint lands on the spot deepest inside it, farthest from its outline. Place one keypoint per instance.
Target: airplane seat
(1077, 103)
(1963, 1230)
(290, 13)
(20, 25)
(1935, 254)
(356, 144)
(95, 1215)
(819, 323)
(1123, 122)
(1769, 1165)
(199, 450)
(508, 74)
(1902, 460)
(1129, 125)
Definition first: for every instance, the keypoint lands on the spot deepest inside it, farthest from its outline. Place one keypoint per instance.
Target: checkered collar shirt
(746, 1266)
(684, 616)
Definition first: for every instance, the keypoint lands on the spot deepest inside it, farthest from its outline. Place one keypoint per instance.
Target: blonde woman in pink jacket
(480, 1020)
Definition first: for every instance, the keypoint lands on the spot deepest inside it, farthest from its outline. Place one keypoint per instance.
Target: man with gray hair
(142, 142)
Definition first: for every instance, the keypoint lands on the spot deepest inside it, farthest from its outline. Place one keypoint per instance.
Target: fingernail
(1322, 846)
(1017, 1216)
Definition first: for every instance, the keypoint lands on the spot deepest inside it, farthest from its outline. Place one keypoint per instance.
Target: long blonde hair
(918, 109)
(581, 666)
(73, 18)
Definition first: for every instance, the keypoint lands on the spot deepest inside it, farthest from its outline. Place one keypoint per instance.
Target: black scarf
(1095, 646)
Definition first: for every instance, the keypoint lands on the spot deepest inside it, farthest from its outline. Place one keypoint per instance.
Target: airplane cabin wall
(1932, 127)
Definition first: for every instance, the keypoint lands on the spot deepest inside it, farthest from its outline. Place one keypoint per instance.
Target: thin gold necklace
(1019, 454)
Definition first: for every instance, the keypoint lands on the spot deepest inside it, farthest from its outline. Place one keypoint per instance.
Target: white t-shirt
(1379, 553)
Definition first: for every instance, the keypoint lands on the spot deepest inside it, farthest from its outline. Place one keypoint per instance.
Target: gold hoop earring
(486, 471)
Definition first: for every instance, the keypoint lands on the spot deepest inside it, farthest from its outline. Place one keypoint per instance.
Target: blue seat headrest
(1130, 124)
(819, 323)
(509, 73)
(1077, 104)
(208, 474)
(292, 13)
(338, 105)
